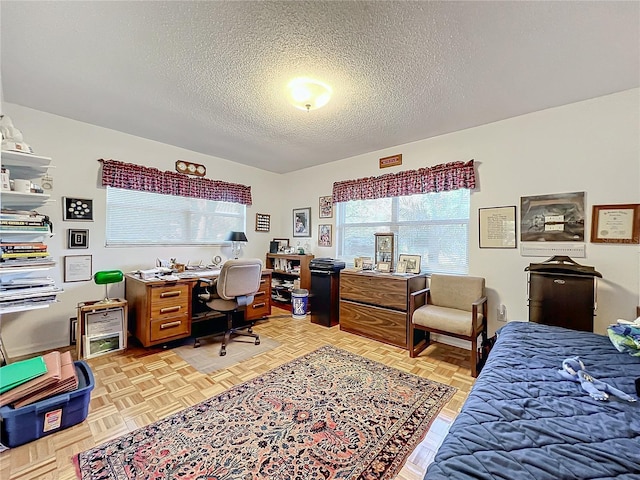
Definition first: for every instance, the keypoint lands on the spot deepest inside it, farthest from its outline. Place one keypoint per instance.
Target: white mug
(22, 186)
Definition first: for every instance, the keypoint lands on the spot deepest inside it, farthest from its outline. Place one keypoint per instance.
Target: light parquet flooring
(139, 386)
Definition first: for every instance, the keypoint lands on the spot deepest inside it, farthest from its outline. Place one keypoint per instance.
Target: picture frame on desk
(412, 263)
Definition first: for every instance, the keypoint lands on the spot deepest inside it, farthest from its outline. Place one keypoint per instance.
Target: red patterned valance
(147, 179)
(441, 178)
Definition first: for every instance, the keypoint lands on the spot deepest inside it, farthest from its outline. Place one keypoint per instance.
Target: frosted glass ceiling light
(308, 94)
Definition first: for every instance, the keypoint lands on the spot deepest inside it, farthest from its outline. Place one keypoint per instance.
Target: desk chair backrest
(240, 280)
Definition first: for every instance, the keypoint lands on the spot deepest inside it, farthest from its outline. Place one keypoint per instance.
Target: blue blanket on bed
(523, 421)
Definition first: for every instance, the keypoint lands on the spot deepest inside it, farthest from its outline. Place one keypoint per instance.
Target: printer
(326, 265)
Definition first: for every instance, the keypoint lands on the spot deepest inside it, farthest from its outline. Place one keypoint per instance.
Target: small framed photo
(324, 235)
(402, 266)
(367, 263)
(102, 344)
(302, 222)
(263, 222)
(384, 267)
(77, 209)
(412, 263)
(73, 330)
(326, 207)
(283, 244)
(616, 224)
(77, 238)
(357, 263)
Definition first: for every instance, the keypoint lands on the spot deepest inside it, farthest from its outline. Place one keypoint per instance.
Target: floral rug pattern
(327, 415)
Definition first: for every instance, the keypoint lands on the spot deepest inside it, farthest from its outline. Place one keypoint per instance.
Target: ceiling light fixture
(308, 94)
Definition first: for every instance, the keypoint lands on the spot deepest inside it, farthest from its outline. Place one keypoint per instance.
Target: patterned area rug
(327, 415)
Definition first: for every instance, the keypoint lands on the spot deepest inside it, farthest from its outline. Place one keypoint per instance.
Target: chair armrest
(414, 303)
(480, 301)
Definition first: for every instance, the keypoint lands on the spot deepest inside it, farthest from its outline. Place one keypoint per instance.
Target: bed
(522, 420)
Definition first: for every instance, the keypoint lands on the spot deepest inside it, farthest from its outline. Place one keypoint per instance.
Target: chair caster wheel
(250, 330)
(223, 352)
(196, 344)
(257, 342)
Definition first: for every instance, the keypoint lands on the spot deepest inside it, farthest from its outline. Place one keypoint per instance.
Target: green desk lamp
(105, 277)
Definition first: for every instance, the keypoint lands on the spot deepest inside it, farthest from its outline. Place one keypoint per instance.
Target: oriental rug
(327, 415)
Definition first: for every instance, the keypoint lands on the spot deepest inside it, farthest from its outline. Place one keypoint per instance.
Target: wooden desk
(160, 310)
(376, 305)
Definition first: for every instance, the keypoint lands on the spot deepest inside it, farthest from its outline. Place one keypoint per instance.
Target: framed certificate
(616, 223)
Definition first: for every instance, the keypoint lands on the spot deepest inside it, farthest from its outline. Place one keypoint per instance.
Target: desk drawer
(170, 328)
(169, 301)
(260, 306)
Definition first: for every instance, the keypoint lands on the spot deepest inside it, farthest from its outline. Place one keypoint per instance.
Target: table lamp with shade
(236, 238)
(105, 277)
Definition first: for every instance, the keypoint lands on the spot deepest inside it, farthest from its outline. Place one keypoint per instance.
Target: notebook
(17, 373)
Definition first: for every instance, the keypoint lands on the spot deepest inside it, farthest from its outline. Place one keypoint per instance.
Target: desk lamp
(105, 277)
(236, 238)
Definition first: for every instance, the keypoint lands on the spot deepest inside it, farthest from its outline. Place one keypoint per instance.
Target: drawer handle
(173, 293)
(257, 294)
(164, 326)
(258, 305)
(170, 309)
(559, 281)
(262, 280)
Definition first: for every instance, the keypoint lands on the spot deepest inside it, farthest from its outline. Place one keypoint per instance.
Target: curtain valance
(147, 179)
(440, 178)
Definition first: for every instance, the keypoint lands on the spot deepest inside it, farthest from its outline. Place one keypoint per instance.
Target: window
(432, 225)
(142, 218)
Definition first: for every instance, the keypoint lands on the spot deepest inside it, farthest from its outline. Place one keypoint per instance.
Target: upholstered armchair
(452, 305)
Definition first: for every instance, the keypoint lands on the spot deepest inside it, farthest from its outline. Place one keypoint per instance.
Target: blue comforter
(523, 421)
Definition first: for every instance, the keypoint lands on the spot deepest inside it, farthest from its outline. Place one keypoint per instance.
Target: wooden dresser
(160, 311)
(375, 305)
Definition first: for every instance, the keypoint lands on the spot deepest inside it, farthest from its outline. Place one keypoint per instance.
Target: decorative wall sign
(326, 207)
(616, 223)
(190, 168)
(557, 217)
(497, 227)
(77, 209)
(392, 161)
(77, 238)
(263, 222)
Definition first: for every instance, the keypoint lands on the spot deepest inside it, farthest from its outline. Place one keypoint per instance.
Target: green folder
(20, 372)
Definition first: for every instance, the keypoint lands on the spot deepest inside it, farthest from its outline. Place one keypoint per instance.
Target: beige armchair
(452, 305)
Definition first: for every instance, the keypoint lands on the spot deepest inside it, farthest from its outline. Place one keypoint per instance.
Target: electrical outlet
(502, 313)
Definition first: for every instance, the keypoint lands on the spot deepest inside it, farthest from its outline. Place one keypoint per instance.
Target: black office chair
(234, 289)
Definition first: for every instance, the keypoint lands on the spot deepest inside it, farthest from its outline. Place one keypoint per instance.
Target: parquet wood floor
(139, 386)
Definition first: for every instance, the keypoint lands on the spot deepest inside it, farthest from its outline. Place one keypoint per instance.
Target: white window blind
(433, 225)
(142, 218)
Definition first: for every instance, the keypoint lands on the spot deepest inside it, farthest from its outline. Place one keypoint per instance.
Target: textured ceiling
(211, 76)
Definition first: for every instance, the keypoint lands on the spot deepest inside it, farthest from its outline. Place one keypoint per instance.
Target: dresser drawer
(170, 328)
(380, 324)
(385, 291)
(260, 306)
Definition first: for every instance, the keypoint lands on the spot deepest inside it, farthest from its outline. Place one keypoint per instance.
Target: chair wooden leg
(474, 357)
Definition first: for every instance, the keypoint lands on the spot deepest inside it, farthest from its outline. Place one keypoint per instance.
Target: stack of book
(24, 221)
(24, 254)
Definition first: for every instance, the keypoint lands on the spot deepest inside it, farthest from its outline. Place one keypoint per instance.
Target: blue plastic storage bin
(50, 415)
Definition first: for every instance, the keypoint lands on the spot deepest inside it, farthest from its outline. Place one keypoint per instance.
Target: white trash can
(299, 301)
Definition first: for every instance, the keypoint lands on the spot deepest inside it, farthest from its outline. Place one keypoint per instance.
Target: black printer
(329, 265)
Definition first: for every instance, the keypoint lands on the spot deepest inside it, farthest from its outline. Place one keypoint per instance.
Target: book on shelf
(22, 247)
(12, 255)
(24, 228)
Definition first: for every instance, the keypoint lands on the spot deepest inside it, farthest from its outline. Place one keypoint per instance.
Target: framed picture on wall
(616, 223)
(77, 238)
(324, 235)
(497, 227)
(302, 222)
(78, 209)
(326, 207)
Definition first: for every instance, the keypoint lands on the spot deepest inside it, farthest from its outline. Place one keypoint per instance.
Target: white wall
(590, 146)
(75, 148)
